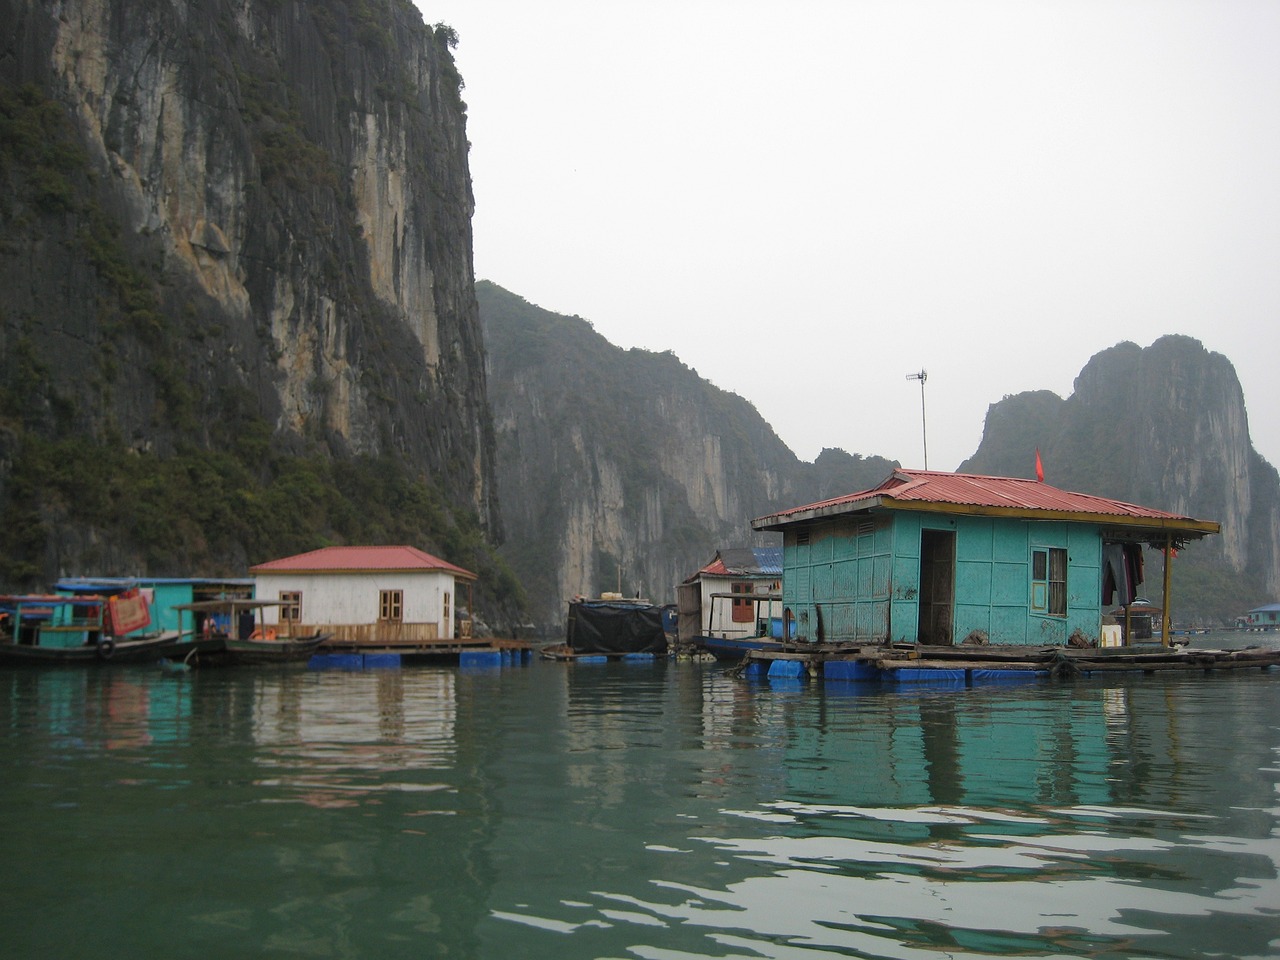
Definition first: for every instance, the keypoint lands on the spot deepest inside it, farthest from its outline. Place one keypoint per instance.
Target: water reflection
(635, 811)
(1069, 820)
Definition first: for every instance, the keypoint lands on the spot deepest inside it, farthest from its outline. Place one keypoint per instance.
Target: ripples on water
(624, 810)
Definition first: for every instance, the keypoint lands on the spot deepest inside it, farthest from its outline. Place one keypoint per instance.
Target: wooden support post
(1168, 579)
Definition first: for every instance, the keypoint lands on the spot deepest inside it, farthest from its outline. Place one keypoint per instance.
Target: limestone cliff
(624, 468)
(223, 210)
(1165, 426)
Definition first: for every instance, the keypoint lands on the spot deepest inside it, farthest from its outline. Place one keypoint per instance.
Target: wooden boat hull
(735, 649)
(141, 650)
(283, 650)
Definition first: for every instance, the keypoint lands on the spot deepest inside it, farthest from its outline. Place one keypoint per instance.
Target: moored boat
(735, 648)
(47, 629)
(242, 634)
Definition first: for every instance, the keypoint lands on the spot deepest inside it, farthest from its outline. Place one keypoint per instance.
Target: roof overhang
(457, 574)
(1157, 529)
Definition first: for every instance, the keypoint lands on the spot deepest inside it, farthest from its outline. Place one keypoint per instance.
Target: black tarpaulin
(612, 627)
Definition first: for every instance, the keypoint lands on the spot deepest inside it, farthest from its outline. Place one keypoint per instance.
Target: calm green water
(634, 811)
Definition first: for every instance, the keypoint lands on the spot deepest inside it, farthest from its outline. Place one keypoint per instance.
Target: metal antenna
(922, 376)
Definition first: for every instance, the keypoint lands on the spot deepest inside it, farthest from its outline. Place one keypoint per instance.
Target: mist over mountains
(239, 319)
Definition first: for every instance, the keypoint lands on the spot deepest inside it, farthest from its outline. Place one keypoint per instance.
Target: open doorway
(937, 586)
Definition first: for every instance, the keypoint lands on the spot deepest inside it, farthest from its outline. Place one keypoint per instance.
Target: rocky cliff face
(623, 468)
(1164, 426)
(243, 208)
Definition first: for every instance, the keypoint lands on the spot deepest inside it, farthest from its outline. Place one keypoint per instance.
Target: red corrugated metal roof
(360, 560)
(715, 568)
(924, 489)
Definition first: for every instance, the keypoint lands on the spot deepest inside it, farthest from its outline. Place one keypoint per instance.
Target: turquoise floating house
(163, 594)
(945, 558)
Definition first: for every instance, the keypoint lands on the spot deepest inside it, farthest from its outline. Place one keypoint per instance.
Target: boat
(735, 648)
(767, 635)
(242, 634)
(51, 629)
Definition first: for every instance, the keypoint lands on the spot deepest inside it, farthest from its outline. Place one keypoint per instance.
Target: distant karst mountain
(1166, 427)
(624, 468)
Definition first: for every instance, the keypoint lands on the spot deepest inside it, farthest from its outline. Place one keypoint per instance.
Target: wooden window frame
(1049, 581)
(290, 606)
(391, 606)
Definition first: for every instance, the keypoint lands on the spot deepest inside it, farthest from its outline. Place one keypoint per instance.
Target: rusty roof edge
(1171, 522)
(820, 511)
(1185, 525)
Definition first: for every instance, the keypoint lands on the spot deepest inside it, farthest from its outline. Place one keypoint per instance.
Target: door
(937, 586)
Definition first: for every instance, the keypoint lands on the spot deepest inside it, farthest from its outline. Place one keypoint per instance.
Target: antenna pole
(922, 376)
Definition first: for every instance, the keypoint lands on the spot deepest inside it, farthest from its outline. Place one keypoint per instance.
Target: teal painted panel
(881, 576)
(973, 582)
(906, 537)
(821, 542)
(1046, 630)
(1010, 583)
(838, 622)
(970, 618)
(845, 579)
(167, 595)
(904, 622)
(821, 581)
(866, 578)
(906, 578)
(872, 620)
(1009, 542)
(1085, 539)
(1008, 625)
(1087, 622)
(845, 546)
(1049, 535)
(884, 538)
(974, 539)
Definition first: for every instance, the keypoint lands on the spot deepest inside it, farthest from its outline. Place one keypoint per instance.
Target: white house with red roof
(942, 558)
(734, 596)
(368, 596)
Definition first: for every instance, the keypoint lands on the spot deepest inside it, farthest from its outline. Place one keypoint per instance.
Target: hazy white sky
(809, 200)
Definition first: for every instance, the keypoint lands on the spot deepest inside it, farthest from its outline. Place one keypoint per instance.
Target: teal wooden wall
(838, 584)
(860, 580)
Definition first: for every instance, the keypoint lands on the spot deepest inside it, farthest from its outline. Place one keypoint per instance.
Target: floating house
(1265, 618)
(735, 596)
(163, 595)
(943, 558)
(368, 596)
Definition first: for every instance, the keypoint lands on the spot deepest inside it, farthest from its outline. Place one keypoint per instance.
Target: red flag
(1039, 467)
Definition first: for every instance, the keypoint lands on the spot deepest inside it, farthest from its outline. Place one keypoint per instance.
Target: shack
(368, 596)
(936, 558)
(612, 625)
(736, 595)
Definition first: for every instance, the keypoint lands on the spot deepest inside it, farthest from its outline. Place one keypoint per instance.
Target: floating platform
(566, 654)
(970, 665)
(482, 653)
